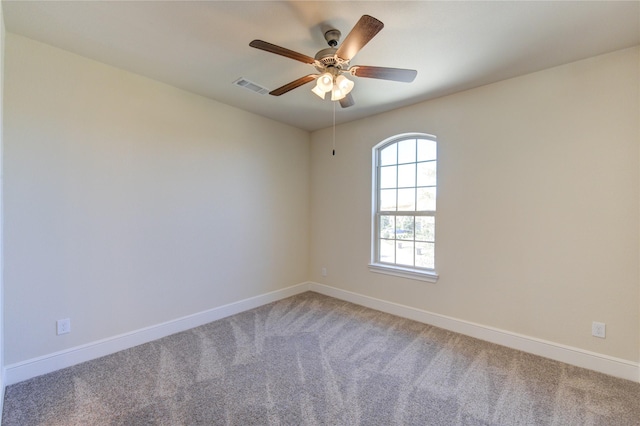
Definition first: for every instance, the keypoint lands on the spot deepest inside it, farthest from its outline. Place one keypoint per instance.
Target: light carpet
(315, 360)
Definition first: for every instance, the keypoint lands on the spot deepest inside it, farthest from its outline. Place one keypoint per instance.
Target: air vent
(250, 85)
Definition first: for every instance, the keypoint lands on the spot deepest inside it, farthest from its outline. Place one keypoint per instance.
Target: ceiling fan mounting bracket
(332, 36)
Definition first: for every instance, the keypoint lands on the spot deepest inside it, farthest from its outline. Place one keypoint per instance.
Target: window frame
(394, 269)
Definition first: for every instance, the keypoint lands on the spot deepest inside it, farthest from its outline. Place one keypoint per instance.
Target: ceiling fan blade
(383, 73)
(268, 47)
(347, 101)
(294, 84)
(364, 30)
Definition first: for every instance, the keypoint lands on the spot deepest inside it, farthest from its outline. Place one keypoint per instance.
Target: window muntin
(405, 181)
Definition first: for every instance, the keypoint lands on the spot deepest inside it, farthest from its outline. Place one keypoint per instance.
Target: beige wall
(538, 205)
(2, 38)
(129, 203)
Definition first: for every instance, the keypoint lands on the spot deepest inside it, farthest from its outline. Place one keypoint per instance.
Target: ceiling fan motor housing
(328, 60)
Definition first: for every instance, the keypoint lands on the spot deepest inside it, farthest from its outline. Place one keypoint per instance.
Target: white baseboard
(581, 358)
(24, 370)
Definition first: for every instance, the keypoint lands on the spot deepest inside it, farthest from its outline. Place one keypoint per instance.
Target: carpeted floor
(314, 360)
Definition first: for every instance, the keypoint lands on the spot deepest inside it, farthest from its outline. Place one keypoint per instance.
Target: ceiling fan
(332, 63)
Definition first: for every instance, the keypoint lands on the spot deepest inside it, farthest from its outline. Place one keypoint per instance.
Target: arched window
(404, 206)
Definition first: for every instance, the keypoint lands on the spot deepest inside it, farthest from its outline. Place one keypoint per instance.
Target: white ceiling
(203, 46)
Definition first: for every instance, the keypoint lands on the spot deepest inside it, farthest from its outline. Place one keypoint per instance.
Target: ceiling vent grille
(250, 85)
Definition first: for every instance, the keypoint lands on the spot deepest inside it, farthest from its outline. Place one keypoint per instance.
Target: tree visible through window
(405, 203)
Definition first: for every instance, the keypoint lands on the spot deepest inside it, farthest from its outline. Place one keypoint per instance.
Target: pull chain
(334, 128)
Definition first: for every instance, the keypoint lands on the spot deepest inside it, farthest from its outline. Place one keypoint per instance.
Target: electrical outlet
(598, 329)
(63, 326)
(324, 271)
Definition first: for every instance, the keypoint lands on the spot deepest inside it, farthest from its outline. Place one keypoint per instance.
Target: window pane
(404, 227)
(388, 251)
(425, 255)
(404, 253)
(387, 227)
(425, 228)
(387, 200)
(407, 151)
(426, 199)
(427, 150)
(406, 182)
(407, 199)
(389, 155)
(427, 173)
(406, 175)
(388, 177)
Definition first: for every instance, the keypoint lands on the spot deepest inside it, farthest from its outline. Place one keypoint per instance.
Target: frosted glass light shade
(344, 84)
(337, 94)
(321, 93)
(342, 88)
(325, 82)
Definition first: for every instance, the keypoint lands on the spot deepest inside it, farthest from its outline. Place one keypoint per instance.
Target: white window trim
(397, 271)
(428, 275)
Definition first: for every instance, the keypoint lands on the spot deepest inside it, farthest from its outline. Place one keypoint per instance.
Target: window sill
(396, 271)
